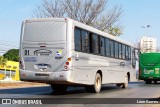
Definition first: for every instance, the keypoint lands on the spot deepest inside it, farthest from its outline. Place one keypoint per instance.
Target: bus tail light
(67, 63)
(66, 66)
(69, 59)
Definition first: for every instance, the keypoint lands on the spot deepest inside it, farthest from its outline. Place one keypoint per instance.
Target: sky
(136, 13)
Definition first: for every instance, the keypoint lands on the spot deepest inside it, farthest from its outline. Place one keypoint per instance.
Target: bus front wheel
(125, 84)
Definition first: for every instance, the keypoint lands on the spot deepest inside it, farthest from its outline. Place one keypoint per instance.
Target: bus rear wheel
(119, 85)
(146, 82)
(150, 81)
(59, 88)
(155, 82)
(97, 85)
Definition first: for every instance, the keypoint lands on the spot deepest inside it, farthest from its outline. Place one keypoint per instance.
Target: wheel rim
(98, 85)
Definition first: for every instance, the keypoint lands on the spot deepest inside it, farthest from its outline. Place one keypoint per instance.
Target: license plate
(42, 67)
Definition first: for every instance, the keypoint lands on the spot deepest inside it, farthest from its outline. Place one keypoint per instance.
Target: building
(11, 70)
(148, 44)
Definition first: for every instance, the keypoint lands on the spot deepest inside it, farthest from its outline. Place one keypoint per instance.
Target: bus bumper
(149, 78)
(46, 77)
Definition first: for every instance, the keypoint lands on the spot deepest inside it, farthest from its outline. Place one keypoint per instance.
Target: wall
(10, 66)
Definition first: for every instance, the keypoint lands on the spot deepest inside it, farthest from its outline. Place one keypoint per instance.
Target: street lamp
(144, 27)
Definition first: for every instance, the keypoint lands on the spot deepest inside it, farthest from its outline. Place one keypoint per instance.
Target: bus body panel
(149, 66)
(87, 66)
(41, 64)
(44, 50)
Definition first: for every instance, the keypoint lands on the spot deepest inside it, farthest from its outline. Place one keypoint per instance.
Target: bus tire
(125, 84)
(155, 82)
(97, 83)
(59, 88)
(150, 82)
(146, 81)
(119, 85)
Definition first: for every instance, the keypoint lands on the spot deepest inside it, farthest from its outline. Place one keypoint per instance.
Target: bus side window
(85, 41)
(127, 53)
(107, 47)
(90, 40)
(116, 49)
(102, 41)
(120, 50)
(129, 49)
(133, 58)
(77, 39)
(123, 51)
(112, 48)
(95, 44)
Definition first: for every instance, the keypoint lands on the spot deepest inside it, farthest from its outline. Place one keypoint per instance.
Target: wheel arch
(100, 72)
(128, 74)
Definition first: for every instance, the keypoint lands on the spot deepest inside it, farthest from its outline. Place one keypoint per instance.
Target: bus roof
(83, 26)
(150, 52)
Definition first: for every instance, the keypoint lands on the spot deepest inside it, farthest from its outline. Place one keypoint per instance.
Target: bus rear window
(150, 59)
(44, 31)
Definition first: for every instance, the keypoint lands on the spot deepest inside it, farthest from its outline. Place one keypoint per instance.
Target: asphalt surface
(135, 90)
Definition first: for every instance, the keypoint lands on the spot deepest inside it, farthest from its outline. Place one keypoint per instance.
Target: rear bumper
(63, 77)
(149, 78)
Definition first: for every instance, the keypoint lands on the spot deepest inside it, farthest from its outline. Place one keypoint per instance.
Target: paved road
(135, 90)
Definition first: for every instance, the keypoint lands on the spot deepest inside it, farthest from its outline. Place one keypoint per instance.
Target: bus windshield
(150, 59)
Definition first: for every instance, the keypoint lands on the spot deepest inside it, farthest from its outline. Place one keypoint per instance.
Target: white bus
(63, 52)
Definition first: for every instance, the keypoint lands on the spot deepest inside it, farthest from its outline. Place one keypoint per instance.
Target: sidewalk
(19, 84)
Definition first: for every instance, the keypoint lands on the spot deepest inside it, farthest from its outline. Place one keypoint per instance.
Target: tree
(12, 55)
(3, 61)
(114, 31)
(91, 12)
